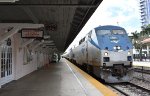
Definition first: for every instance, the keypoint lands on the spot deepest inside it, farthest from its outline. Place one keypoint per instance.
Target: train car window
(103, 32)
(80, 41)
(83, 39)
(118, 32)
(89, 34)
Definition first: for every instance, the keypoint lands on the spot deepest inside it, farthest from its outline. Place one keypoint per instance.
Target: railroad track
(130, 89)
(142, 71)
(142, 79)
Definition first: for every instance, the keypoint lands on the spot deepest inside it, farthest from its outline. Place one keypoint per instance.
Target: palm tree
(144, 34)
(136, 40)
(146, 31)
(138, 37)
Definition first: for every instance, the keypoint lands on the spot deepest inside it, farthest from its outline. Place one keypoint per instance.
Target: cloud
(121, 11)
(124, 13)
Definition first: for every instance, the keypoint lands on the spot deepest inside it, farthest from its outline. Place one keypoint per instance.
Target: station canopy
(63, 19)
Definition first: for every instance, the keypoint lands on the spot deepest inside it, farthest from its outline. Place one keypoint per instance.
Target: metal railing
(143, 57)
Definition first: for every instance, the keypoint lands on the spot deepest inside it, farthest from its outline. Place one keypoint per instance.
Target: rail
(130, 89)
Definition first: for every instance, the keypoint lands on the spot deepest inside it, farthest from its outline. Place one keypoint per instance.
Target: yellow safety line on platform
(103, 89)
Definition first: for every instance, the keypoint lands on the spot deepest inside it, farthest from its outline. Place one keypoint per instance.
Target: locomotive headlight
(115, 48)
(118, 47)
(105, 54)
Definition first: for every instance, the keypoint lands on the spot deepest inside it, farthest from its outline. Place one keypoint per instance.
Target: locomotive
(106, 51)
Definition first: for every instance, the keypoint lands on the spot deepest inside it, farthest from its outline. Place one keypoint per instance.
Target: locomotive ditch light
(129, 53)
(106, 54)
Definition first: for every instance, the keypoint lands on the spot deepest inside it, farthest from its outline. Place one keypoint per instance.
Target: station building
(18, 56)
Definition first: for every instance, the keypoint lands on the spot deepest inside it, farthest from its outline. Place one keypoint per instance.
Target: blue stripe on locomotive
(93, 43)
(104, 40)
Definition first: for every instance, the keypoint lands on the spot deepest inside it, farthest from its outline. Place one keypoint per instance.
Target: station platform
(141, 63)
(56, 79)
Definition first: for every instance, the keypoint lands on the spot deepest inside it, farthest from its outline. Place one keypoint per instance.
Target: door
(6, 64)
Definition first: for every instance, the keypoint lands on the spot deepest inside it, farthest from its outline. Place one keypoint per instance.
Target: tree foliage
(136, 40)
(145, 31)
(138, 37)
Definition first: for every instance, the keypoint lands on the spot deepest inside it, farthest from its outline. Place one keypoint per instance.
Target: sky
(125, 13)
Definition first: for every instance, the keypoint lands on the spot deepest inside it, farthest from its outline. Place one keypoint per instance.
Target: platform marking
(84, 89)
(102, 88)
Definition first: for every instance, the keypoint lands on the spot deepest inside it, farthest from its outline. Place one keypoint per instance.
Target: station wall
(21, 68)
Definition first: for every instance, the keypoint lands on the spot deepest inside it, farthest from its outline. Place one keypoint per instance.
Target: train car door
(6, 64)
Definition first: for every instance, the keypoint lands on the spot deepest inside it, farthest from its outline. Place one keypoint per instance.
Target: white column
(147, 49)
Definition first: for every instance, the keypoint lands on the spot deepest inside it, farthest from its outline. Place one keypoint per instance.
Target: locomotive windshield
(107, 32)
(103, 32)
(118, 32)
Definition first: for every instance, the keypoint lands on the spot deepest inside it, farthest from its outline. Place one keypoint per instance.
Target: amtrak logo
(114, 39)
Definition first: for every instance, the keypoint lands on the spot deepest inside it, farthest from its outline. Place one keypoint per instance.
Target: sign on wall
(32, 33)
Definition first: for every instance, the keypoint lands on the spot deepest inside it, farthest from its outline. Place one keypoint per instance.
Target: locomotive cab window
(118, 32)
(103, 32)
(89, 34)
